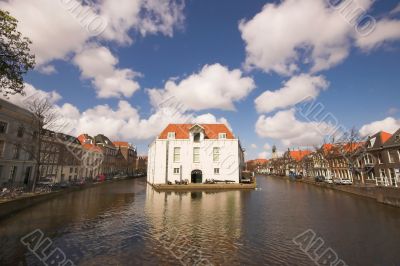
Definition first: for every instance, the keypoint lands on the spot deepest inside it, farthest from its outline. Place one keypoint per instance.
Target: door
(197, 177)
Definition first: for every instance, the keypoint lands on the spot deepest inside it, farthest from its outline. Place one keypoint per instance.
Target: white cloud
(57, 28)
(267, 147)
(49, 26)
(388, 124)
(61, 29)
(291, 33)
(146, 16)
(284, 35)
(99, 65)
(291, 132)
(32, 92)
(386, 30)
(215, 86)
(293, 91)
(253, 146)
(125, 122)
(47, 69)
(263, 155)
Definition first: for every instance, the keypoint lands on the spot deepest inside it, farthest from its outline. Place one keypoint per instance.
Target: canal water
(127, 223)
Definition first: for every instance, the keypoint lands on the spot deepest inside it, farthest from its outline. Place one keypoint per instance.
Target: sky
(127, 68)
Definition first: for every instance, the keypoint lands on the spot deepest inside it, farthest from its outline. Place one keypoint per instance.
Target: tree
(15, 57)
(44, 143)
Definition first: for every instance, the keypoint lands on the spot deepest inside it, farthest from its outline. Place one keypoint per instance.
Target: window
(3, 127)
(222, 135)
(196, 155)
(368, 159)
(382, 172)
(379, 158)
(392, 173)
(196, 137)
(176, 171)
(215, 154)
(177, 154)
(71, 169)
(15, 154)
(2, 144)
(13, 173)
(76, 170)
(216, 171)
(21, 131)
(1, 170)
(171, 135)
(390, 157)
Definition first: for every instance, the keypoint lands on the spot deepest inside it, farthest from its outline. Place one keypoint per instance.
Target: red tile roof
(91, 147)
(257, 161)
(385, 136)
(121, 144)
(299, 155)
(182, 131)
(327, 147)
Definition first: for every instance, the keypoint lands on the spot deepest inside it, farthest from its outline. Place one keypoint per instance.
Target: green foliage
(15, 57)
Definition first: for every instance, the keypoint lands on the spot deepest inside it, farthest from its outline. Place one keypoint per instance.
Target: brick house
(383, 159)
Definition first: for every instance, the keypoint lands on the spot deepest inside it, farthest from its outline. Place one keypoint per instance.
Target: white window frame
(216, 171)
(222, 135)
(390, 158)
(195, 158)
(177, 171)
(380, 158)
(177, 155)
(216, 154)
(171, 135)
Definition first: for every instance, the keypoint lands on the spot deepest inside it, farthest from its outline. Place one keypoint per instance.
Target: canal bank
(385, 195)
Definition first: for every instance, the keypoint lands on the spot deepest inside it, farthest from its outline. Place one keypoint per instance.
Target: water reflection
(212, 220)
(121, 223)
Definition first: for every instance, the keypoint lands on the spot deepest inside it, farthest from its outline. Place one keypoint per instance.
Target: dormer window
(197, 133)
(171, 135)
(196, 137)
(222, 135)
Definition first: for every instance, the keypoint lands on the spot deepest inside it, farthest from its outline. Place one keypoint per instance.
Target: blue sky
(361, 88)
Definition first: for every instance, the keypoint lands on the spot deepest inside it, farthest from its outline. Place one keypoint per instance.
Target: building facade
(195, 152)
(127, 156)
(16, 165)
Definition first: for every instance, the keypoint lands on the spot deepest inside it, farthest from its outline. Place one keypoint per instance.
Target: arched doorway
(197, 176)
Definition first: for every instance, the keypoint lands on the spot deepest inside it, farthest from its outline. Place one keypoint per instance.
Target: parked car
(328, 180)
(47, 181)
(299, 176)
(337, 181)
(346, 182)
(319, 178)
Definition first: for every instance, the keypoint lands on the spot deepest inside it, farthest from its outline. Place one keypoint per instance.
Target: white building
(195, 152)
